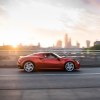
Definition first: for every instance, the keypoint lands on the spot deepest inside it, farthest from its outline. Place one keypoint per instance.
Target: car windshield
(58, 56)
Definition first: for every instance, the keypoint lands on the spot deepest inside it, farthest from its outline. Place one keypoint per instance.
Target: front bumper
(19, 65)
(77, 64)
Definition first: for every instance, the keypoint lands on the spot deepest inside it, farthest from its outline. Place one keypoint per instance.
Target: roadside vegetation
(95, 47)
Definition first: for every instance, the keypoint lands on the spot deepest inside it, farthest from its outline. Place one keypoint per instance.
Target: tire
(69, 66)
(29, 66)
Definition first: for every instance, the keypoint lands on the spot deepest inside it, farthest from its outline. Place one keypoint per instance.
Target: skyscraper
(39, 45)
(59, 44)
(88, 43)
(77, 44)
(69, 43)
(66, 41)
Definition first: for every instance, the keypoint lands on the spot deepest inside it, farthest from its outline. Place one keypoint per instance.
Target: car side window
(45, 55)
(50, 56)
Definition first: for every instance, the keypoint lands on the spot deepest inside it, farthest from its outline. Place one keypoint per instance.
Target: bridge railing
(85, 57)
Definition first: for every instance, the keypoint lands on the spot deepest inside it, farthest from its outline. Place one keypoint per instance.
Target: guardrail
(86, 58)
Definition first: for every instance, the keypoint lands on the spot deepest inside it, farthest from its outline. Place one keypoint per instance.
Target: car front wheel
(29, 66)
(69, 66)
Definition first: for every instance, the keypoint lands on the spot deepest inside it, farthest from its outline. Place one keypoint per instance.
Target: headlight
(76, 61)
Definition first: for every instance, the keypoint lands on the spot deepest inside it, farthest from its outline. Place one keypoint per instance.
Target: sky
(46, 21)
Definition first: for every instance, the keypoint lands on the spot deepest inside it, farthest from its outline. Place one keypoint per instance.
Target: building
(97, 43)
(69, 43)
(66, 41)
(39, 45)
(59, 44)
(77, 44)
(88, 43)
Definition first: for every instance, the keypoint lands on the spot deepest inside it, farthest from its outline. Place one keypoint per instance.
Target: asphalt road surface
(15, 84)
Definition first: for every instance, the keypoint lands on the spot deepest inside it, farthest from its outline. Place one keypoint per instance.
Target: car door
(51, 62)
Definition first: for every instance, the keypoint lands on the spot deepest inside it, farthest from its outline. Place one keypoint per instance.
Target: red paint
(42, 62)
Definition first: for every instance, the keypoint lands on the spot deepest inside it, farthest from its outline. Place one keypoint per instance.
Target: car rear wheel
(69, 66)
(29, 66)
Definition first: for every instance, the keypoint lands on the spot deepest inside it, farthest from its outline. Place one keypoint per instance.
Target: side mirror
(41, 58)
(58, 59)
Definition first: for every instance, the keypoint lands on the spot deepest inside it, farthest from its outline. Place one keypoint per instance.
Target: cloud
(50, 18)
(92, 6)
(3, 4)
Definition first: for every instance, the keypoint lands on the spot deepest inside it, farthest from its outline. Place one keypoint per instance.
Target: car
(47, 60)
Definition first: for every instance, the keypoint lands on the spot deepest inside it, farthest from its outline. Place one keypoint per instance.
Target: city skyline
(33, 21)
(65, 42)
(58, 44)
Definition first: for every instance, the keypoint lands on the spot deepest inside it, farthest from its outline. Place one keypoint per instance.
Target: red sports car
(47, 61)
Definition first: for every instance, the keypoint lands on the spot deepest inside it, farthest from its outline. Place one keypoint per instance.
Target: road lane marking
(71, 74)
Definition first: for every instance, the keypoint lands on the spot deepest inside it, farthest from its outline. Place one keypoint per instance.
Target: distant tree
(95, 47)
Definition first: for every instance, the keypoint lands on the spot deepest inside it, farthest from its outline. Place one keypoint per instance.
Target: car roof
(44, 53)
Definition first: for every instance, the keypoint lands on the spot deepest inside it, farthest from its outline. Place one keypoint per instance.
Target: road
(15, 84)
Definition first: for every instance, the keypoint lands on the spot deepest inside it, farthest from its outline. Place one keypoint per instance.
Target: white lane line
(71, 74)
(81, 74)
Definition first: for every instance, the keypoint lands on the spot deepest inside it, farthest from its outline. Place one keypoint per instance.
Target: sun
(15, 46)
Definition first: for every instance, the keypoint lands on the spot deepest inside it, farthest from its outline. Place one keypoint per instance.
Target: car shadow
(50, 72)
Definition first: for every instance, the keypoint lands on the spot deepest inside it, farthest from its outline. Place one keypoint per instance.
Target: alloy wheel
(28, 66)
(69, 66)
